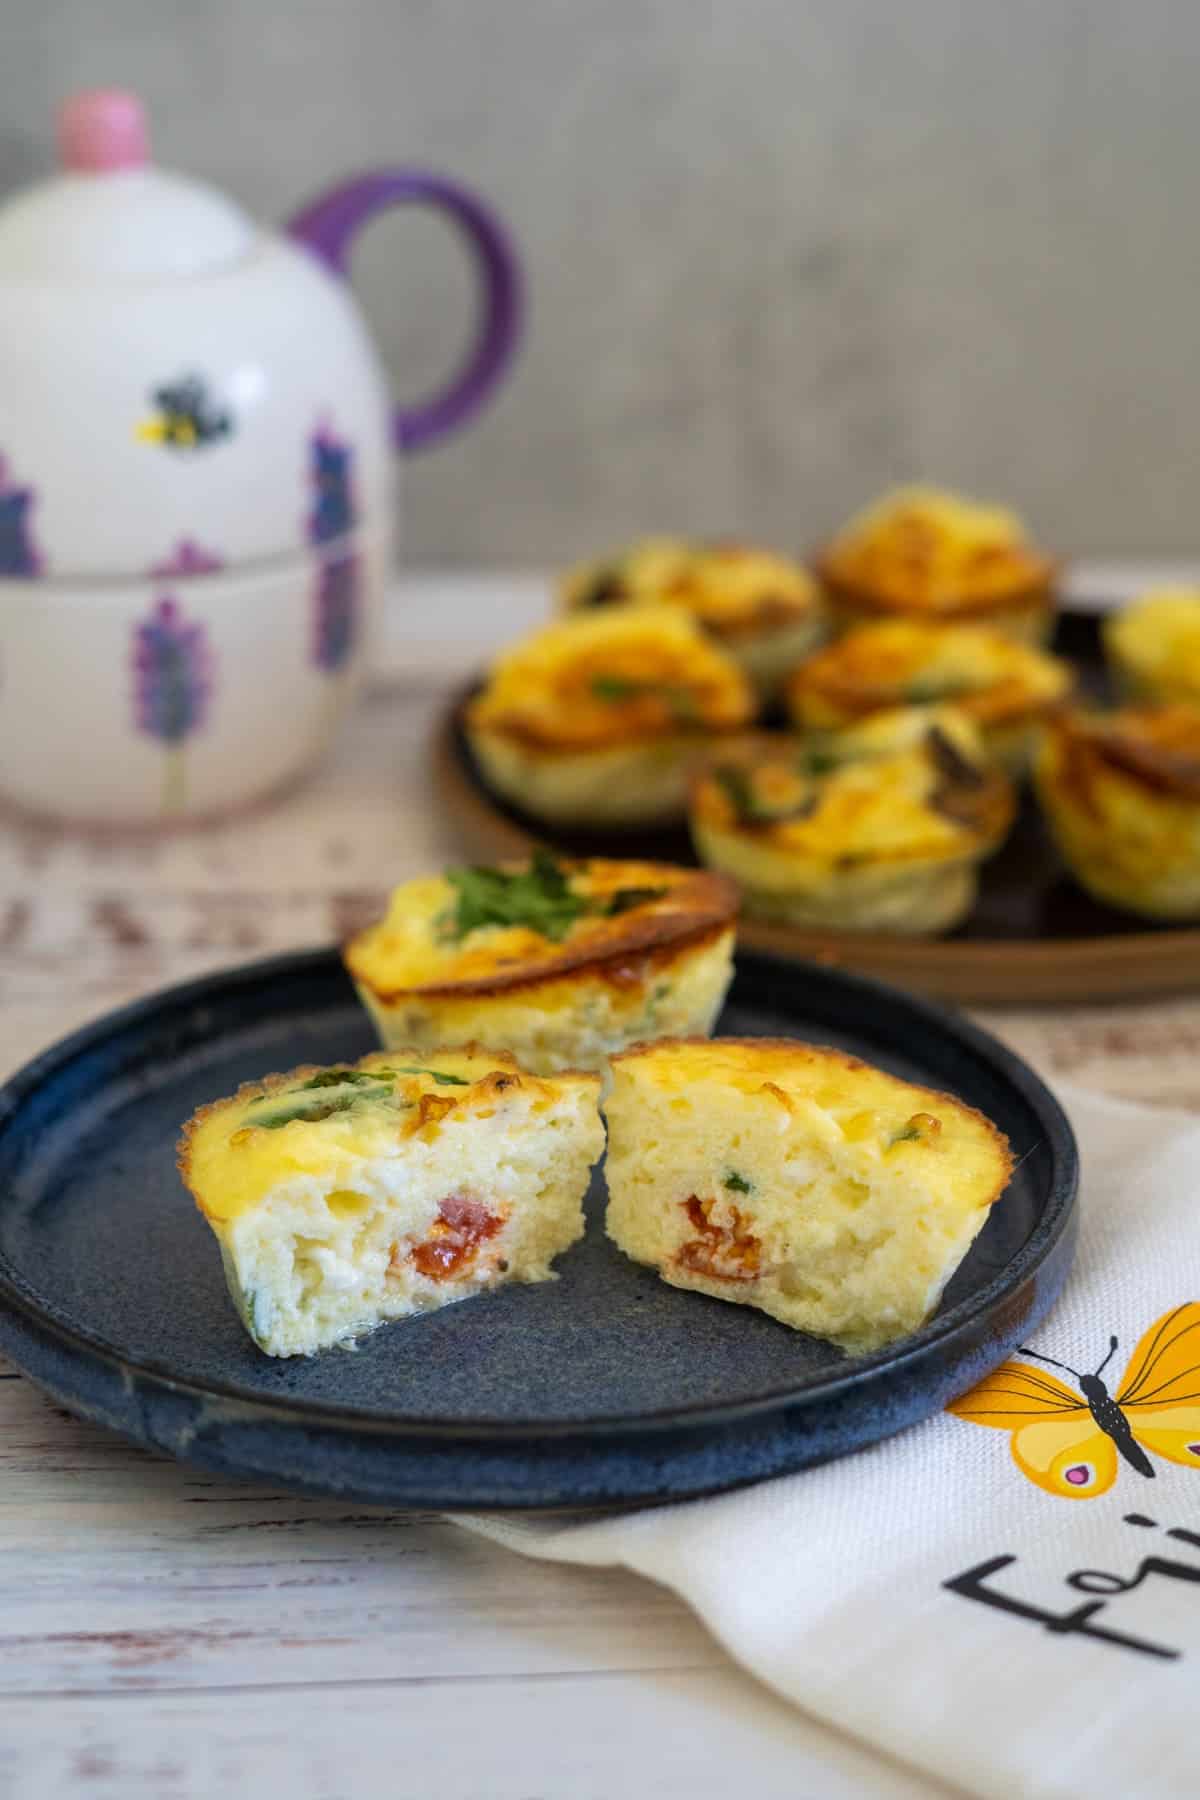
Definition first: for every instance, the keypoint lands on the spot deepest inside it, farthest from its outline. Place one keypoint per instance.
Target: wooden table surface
(166, 1634)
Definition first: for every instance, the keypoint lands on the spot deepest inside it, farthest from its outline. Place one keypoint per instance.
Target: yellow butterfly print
(1072, 1443)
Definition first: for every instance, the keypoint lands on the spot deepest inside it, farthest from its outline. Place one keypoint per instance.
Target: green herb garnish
(616, 688)
(907, 1134)
(309, 1112)
(737, 1184)
(538, 897)
(339, 1078)
(750, 809)
(438, 1075)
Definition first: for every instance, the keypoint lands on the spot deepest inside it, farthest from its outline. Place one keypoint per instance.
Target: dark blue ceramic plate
(604, 1387)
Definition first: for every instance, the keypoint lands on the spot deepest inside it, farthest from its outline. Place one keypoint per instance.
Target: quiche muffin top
(877, 829)
(923, 552)
(761, 607)
(1005, 686)
(1154, 646)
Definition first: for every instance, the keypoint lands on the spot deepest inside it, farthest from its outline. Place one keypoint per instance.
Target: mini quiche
(880, 829)
(1007, 688)
(761, 608)
(562, 963)
(921, 553)
(595, 720)
(1153, 647)
(1121, 793)
(835, 1197)
(345, 1197)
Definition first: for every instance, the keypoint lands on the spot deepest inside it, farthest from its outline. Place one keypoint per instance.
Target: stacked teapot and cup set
(197, 455)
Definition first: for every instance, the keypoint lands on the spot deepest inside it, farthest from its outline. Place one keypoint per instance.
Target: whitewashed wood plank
(680, 1736)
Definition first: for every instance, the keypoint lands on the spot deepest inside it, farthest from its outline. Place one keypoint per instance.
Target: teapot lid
(111, 213)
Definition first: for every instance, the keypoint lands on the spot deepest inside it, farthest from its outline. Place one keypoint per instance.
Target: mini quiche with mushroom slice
(1009, 689)
(1121, 793)
(595, 720)
(561, 963)
(881, 828)
(835, 1197)
(922, 553)
(764, 610)
(345, 1197)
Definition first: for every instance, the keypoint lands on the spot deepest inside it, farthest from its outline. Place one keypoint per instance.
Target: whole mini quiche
(1008, 688)
(763, 609)
(560, 962)
(924, 553)
(595, 720)
(1121, 793)
(882, 828)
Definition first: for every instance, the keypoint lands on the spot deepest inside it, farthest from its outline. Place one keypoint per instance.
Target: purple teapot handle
(327, 226)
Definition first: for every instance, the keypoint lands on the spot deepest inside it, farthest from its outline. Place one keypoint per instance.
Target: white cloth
(830, 1585)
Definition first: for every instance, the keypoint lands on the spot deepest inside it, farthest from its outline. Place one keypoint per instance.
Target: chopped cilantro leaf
(737, 1183)
(538, 897)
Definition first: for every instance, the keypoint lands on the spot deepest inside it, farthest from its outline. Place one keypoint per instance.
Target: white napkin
(831, 1585)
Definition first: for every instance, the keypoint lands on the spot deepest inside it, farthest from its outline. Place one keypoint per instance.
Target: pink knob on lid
(102, 129)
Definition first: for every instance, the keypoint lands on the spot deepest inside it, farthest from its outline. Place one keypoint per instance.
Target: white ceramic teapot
(196, 474)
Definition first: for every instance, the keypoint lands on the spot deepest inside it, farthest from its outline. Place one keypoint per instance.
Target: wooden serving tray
(1033, 936)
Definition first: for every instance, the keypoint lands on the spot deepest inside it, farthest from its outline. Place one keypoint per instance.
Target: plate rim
(1057, 1219)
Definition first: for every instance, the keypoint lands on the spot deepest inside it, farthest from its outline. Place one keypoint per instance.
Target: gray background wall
(780, 252)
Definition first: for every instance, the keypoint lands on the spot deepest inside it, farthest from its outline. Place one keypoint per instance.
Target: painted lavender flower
(335, 609)
(173, 680)
(18, 553)
(188, 558)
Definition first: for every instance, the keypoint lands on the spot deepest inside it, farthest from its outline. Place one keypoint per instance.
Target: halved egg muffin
(596, 719)
(1006, 687)
(1153, 647)
(1121, 792)
(858, 835)
(344, 1197)
(835, 1197)
(561, 963)
(763, 609)
(924, 553)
